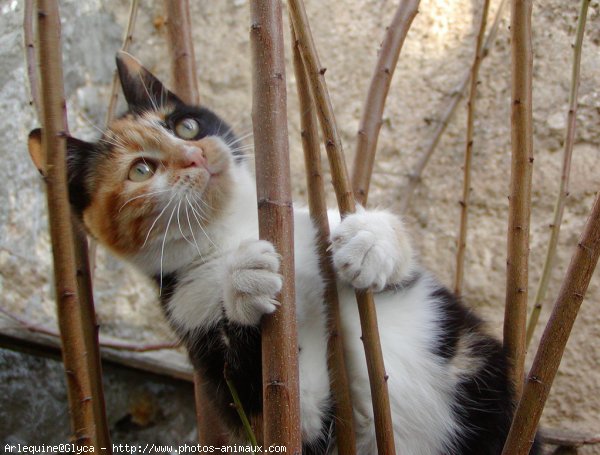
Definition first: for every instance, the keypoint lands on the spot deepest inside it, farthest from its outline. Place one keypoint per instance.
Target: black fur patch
(81, 159)
(484, 401)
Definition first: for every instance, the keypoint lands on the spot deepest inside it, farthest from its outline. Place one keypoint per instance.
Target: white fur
(370, 249)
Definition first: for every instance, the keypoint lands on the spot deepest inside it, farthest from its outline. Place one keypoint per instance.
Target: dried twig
(554, 339)
(281, 410)
(75, 314)
(368, 316)
(127, 39)
(370, 123)
(563, 190)
(183, 60)
(28, 36)
(414, 177)
(344, 427)
(464, 203)
(519, 209)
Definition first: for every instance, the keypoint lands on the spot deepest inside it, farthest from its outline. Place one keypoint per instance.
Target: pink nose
(194, 157)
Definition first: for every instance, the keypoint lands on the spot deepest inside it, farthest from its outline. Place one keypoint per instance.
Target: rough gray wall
(436, 55)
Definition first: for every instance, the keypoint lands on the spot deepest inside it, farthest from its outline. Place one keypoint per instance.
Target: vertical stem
(464, 203)
(370, 123)
(185, 84)
(344, 425)
(414, 178)
(555, 337)
(520, 190)
(183, 60)
(127, 39)
(28, 36)
(74, 300)
(563, 190)
(366, 305)
(281, 410)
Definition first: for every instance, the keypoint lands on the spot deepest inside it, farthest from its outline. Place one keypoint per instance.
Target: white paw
(371, 250)
(251, 282)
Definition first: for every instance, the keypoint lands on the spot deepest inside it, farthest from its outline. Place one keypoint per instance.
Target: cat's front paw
(371, 250)
(252, 281)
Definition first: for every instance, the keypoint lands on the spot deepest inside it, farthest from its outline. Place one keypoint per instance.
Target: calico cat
(169, 189)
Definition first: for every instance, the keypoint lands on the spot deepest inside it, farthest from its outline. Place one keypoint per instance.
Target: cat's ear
(142, 90)
(34, 145)
(78, 157)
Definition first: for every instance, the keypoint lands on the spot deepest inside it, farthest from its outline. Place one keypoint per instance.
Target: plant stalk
(281, 409)
(563, 191)
(556, 334)
(464, 203)
(366, 306)
(519, 209)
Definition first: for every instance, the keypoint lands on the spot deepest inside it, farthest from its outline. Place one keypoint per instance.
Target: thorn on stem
(322, 71)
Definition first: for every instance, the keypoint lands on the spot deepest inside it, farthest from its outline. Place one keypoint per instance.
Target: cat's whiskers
(157, 218)
(187, 214)
(116, 142)
(150, 97)
(179, 223)
(142, 195)
(240, 139)
(162, 248)
(196, 215)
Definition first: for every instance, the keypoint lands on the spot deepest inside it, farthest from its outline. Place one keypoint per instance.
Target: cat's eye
(141, 170)
(187, 128)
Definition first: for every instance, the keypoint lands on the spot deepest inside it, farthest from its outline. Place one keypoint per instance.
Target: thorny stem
(281, 406)
(344, 426)
(366, 306)
(519, 209)
(554, 339)
(75, 312)
(464, 203)
(28, 35)
(183, 60)
(370, 123)
(563, 190)
(127, 39)
(414, 177)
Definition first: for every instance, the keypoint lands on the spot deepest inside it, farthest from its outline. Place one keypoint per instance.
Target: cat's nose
(193, 157)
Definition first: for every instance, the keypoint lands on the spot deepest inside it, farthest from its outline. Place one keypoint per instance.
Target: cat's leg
(371, 249)
(251, 282)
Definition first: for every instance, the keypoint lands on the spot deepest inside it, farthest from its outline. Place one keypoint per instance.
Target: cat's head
(163, 162)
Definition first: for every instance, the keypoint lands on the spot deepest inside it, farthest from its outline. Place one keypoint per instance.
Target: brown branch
(563, 190)
(519, 208)
(183, 60)
(344, 426)
(75, 313)
(414, 177)
(464, 203)
(555, 337)
(370, 123)
(281, 410)
(368, 316)
(28, 36)
(127, 39)
(211, 429)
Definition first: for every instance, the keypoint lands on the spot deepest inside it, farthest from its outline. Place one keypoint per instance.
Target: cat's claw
(371, 250)
(252, 282)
